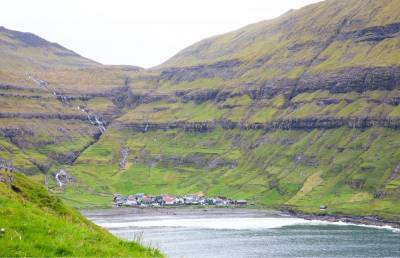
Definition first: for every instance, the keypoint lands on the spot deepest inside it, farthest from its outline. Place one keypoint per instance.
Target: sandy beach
(172, 212)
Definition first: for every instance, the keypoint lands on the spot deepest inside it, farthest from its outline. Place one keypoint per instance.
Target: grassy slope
(311, 24)
(299, 43)
(301, 169)
(38, 224)
(376, 103)
(51, 142)
(22, 53)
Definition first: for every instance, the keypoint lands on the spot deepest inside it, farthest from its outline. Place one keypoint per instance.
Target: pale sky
(135, 32)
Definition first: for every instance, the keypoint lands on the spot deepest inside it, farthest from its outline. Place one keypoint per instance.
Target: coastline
(226, 212)
(350, 219)
(190, 212)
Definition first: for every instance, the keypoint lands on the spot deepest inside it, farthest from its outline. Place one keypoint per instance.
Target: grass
(298, 42)
(39, 224)
(243, 109)
(297, 168)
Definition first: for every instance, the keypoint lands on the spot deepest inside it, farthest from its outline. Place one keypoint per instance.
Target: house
(131, 202)
(159, 199)
(210, 201)
(179, 200)
(191, 199)
(241, 202)
(220, 202)
(168, 200)
(147, 200)
(132, 198)
(202, 201)
(230, 202)
(139, 196)
(119, 200)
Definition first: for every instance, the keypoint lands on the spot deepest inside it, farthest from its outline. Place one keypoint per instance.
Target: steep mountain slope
(303, 36)
(37, 224)
(53, 103)
(296, 112)
(20, 50)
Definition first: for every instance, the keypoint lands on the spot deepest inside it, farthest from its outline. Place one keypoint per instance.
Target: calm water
(245, 236)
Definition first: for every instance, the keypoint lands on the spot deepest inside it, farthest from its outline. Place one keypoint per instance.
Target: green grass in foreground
(38, 224)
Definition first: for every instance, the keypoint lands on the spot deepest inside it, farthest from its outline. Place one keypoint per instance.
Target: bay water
(248, 234)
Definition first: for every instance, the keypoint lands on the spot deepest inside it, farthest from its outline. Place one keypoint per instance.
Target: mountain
(290, 113)
(53, 104)
(21, 50)
(310, 39)
(24, 53)
(295, 112)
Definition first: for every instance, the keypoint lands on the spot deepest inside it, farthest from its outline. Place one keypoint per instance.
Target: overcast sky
(135, 32)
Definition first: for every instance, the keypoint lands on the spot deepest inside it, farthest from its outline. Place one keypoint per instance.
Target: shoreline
(190, 212)
(350, 219)
(212, 212)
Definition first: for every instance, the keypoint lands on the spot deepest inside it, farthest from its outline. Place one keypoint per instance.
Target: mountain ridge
(18, 46)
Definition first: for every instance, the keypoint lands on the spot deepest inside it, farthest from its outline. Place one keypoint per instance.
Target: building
(168, 200)
(179, 201)
(147, 200)
(191, 199)
(220, 202)
(129, 202)
(141, 199)
(241, 202)
(120, 200)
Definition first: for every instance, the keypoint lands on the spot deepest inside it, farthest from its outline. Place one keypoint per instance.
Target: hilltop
(22, 50)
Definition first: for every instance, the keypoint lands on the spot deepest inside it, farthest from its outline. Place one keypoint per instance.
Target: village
(144, 200)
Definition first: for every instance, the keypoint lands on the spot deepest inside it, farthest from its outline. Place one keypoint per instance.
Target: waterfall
(58, 176)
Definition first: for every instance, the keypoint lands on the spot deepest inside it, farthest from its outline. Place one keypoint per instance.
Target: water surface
(248, 234)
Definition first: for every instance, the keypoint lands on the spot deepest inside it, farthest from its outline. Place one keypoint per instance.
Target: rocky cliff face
(327, 49)
(43, 127)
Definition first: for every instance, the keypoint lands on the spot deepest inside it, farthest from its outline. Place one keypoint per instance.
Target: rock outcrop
(224, 69)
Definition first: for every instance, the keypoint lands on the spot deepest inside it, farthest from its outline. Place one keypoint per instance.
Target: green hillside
(294, 112)
(38, 224)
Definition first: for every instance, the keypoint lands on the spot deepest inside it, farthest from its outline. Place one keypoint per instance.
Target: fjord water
(250, 235)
